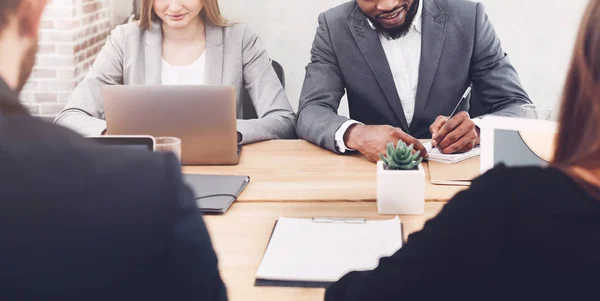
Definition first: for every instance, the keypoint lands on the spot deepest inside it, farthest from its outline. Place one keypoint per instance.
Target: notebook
(454, 174)
(437, 156)
(317, 252)
(215, 194)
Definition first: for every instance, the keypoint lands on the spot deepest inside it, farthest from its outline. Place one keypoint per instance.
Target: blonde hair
(210, 12)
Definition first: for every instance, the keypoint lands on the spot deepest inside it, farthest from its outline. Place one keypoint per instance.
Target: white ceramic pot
(400, 191)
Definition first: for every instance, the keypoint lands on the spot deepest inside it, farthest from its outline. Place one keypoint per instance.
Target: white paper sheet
(437, 156)
(303, 250)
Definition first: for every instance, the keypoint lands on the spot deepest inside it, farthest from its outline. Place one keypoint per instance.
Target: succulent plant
(401, 157)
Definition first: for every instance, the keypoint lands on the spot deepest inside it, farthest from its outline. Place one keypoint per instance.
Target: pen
(460, 102)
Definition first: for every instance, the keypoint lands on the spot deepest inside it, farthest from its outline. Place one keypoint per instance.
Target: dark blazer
(81, 222)
(516, 234)
(459, 47)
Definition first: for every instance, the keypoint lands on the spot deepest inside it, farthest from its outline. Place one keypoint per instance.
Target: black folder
(215, 193)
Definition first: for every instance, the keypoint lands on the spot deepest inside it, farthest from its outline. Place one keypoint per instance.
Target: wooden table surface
(240, 238)
(297, 171)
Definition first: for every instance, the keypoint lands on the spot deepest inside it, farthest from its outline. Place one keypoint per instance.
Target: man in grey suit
(404, 64)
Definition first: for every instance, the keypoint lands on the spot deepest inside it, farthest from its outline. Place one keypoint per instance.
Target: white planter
(400, 191)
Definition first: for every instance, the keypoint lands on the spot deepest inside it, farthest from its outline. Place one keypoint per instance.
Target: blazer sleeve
(463, 239)
(495, 80)
(194, 273)
(321, 94)
(275, 115)
(84, 112)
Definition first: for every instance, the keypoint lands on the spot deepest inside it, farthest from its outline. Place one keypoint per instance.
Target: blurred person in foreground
(81, 222)
(518, 233)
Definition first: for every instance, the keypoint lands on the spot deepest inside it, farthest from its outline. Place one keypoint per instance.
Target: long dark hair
(578, 141)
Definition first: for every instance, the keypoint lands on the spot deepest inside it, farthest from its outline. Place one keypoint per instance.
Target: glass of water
(169, 144)
(531, 111)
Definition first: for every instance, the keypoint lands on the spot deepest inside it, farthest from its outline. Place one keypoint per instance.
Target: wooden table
(240, 238)
(295, 170)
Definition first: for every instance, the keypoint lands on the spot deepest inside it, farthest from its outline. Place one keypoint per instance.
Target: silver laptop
(203, 117)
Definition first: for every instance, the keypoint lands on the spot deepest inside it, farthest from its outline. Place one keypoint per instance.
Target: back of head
(578, 141)
(19, 24)
(6, 8)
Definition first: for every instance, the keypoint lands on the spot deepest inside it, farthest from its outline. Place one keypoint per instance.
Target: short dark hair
(6, 8)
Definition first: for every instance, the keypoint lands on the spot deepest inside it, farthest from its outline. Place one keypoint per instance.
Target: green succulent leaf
(415, 156)
(406, 166)
(390, 149)
(397, 157)
(401, 156)
(386, 162)
(399, 145)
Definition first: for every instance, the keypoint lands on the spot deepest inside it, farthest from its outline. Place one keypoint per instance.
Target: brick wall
(72, 34)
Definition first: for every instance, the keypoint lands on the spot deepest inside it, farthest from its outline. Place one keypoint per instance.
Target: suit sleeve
(495, 80)
(461, 240)
(276, 119)
(84, 112)
(321, 94)
(194, 273)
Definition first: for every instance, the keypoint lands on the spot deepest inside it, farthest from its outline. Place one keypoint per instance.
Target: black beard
(400, 31)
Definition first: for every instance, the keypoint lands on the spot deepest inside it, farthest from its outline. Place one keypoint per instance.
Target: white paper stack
(307, 250)
(437, 156)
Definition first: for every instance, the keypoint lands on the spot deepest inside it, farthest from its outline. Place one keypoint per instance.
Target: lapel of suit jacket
(214, 54)
(153, 54)
(434, 32)
(370, 46)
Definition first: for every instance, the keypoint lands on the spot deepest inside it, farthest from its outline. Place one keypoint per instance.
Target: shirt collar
(417, 22)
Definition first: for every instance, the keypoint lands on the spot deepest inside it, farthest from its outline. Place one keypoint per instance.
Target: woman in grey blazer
(184, 35)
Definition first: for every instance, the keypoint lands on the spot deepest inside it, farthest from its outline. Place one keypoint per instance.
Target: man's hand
(457, 135)
(372, 140)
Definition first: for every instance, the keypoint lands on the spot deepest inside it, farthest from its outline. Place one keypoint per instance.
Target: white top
(192, 74)
(404, 58)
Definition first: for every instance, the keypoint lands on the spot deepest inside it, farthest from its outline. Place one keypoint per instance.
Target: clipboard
(311, 284)
(459, 174)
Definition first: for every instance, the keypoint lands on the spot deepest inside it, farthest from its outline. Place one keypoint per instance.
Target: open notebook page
(437, 156)
(303, 250)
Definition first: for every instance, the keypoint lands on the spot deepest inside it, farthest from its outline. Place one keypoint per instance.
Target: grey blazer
(459, 47)
(234, 55)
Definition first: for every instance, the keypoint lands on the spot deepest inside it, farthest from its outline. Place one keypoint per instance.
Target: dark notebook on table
(215, 194)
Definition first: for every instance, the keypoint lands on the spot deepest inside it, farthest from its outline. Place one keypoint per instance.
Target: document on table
(437, 156)
(322, 250)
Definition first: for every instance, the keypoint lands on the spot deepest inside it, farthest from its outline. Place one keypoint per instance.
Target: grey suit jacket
(459, 47)
(234, 55)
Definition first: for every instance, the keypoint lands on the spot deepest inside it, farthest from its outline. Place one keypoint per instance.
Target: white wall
(120, 10)
(287, 29)
(537, 34)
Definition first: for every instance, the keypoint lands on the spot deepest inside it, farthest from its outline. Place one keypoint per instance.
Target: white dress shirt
(404, 58)
(192, 74)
